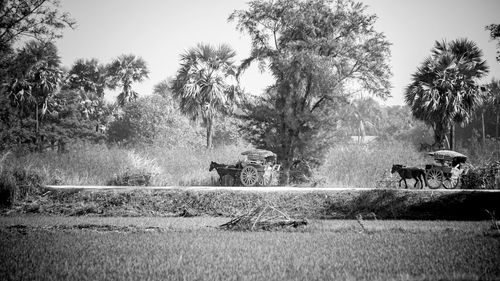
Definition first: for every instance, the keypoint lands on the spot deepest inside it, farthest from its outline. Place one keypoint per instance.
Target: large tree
(123, 72)
(205, 85)
(445, 88)
(39, 19)
(318, 51)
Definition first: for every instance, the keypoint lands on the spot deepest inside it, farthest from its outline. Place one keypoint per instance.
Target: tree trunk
(210, 132)
(439, 135)
(497, 125)
(287, 160)
(483, 128)
(452, 136)
(37, 132)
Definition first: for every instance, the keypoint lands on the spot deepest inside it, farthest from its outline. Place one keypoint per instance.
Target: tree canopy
(494, 30)
(205, 85)
(39, 19)
(445, 88)
(123, 72)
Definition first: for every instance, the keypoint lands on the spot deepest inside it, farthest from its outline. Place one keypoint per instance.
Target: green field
(93, 248)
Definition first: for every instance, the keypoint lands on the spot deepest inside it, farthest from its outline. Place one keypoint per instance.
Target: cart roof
(447, 154)
(259, 153)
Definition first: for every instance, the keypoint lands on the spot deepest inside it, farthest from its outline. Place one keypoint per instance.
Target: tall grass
(97, 164)
(356, 165)
(350, 165)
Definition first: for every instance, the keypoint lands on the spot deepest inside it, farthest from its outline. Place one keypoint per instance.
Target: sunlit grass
(346, 165)
(363, 165)
(98, 164)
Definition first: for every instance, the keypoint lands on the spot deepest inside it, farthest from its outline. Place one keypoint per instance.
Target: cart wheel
(249, 176)
(434, 178)
(451, 183)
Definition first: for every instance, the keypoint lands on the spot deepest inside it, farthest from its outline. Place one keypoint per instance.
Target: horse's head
(396, 167)
(213, 165)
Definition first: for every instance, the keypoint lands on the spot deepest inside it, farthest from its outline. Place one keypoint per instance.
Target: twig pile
(264, 217)
(484, 177)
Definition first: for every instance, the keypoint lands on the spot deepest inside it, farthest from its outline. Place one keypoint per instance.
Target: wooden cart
(447, 171)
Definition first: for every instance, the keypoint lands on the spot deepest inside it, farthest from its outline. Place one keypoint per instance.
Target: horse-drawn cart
(258, 168)
(449, 170)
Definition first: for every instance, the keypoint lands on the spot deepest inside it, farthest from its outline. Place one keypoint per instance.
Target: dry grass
(98, 164)
(363, 165)
(347, 165)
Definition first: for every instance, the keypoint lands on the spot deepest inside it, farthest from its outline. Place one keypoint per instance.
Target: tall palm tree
(35, 79)
(445, 88)
(206, 85)
(124, 71)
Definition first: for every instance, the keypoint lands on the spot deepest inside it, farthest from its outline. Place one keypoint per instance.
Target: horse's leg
(220, 177)
(406, 185)
(422, 180)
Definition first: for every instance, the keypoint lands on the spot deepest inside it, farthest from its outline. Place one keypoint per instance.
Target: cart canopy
(258, 154)
(448, 155)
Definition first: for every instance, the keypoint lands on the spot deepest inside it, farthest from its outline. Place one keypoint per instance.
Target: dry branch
(263, 217)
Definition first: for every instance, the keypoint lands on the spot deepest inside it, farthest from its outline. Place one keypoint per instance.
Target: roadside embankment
(328, 203)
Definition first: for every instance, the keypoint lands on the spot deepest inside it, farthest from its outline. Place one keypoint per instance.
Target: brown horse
(409, 173)
(223, 170)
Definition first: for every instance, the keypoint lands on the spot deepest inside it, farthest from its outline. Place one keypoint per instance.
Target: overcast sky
(161, 30)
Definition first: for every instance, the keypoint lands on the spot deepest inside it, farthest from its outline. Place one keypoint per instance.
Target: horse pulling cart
(258, 168)
(448, 170)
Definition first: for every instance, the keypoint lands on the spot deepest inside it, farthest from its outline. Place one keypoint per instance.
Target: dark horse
(223, 170)
(409, 173)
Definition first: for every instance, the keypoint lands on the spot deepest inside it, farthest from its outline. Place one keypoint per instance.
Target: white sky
(161, 30)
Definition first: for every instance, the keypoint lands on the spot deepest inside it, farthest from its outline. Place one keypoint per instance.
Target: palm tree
(88, 76)
(124, 71)
(206, 84)
(363, 113)
(35, 79)
(445, 88)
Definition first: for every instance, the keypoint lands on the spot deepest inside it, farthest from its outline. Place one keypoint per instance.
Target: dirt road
(252, 188)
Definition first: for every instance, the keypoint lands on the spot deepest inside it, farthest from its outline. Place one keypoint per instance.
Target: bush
(29, 182)
(154, 120)
(8, 189)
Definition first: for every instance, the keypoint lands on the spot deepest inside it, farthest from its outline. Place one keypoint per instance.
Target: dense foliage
(445, 89)
(205, 85)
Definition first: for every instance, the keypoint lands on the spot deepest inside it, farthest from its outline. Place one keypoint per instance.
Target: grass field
(62, 248)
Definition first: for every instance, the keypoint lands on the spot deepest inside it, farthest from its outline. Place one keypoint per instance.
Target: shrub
(29, 182)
